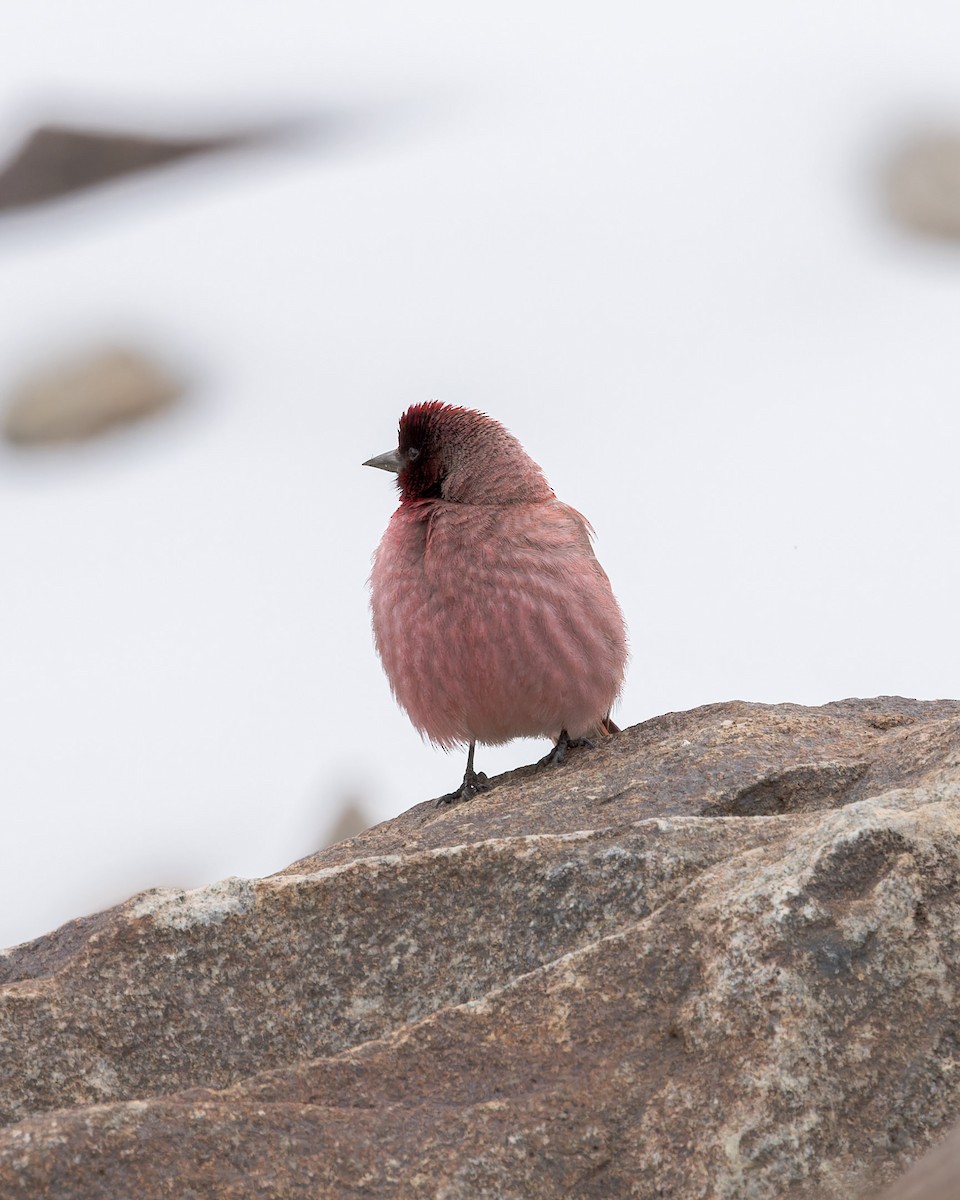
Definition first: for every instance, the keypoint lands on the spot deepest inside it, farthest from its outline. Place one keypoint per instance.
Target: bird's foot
(558, 754)
(473, 782)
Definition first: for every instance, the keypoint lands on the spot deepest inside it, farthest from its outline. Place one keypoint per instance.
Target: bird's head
(462, 456)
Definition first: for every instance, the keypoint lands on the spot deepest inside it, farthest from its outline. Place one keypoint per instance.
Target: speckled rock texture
(716, 956)
(935, 1177)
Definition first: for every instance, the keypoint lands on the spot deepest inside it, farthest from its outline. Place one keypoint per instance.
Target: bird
(491, 615)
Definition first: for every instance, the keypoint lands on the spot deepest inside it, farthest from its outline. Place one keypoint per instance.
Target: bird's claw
(558, 754)
(473, 782)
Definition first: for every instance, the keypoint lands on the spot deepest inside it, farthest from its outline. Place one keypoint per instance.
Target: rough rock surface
(717, 956)
(935, 1177)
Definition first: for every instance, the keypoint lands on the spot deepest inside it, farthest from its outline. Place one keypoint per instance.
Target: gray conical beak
(386, 462)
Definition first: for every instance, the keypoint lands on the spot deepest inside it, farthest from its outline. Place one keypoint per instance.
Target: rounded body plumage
(491, 614)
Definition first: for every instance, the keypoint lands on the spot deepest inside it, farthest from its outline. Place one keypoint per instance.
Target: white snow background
(649, 238)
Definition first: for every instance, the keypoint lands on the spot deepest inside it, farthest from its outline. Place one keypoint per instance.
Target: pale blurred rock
(923, 185)
(716, 958)
(70, 403)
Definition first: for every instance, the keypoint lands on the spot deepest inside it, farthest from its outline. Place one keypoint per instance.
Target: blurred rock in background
(79, 400)
(56, 160)
(923, 185)
(351, 820)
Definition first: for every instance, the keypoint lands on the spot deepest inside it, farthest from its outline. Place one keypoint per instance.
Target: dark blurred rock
(923, 185)
(56, 160)
(63, 404)
(350, 820)
(590, 982)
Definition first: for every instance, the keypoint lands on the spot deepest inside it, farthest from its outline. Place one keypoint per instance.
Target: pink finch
(492, 617)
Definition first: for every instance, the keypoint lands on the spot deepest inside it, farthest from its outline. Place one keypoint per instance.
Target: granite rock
(717, 956)
(936, 1176)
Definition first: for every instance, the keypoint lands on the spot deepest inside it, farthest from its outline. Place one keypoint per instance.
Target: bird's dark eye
(413, 453)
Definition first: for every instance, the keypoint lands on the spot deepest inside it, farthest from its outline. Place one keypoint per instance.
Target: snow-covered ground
(648, 238)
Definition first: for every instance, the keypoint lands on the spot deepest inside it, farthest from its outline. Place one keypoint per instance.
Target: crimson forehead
(421, 423)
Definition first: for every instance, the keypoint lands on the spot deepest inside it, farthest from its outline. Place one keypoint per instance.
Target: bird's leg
(564, 742)
(473, 782)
